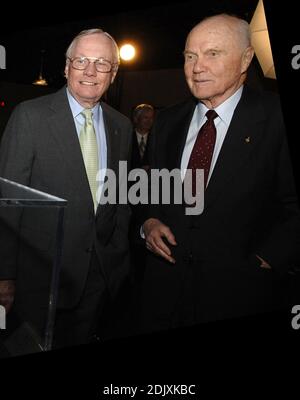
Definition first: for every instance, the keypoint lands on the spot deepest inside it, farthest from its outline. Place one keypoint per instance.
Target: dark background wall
(159, 32)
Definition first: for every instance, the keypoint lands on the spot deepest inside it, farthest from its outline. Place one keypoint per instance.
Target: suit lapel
(112, 134)
(112, 139)
(178, 133)
(63, 130)
(242, 138)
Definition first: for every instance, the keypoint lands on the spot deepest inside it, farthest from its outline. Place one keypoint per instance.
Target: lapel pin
(247, 139)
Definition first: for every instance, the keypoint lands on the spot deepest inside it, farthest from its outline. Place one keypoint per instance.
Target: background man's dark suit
(250, 208)
(41, 138)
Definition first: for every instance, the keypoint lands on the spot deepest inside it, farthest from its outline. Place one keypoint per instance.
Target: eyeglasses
(101, 64)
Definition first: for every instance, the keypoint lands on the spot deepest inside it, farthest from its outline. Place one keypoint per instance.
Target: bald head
(236, 28)
(217, 56)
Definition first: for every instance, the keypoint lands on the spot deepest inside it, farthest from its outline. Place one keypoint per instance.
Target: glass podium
(31, 240)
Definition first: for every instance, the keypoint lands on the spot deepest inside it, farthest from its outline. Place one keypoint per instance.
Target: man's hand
(263, 264)
(7, 294)
(155, 231)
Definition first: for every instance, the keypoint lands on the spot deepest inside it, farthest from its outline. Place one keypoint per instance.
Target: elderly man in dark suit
(57, 144)
(233, 258)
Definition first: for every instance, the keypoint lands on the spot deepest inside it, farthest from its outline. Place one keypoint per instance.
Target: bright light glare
(127, 52)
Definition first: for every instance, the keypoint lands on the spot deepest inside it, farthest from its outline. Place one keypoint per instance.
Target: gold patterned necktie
(89, 148)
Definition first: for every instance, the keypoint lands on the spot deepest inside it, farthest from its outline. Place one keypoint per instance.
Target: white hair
(93, 32)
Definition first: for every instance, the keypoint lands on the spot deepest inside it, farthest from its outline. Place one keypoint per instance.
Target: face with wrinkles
(216, 60)
(87, 86)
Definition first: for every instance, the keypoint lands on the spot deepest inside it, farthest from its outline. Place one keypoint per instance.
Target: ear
(113, 76)
(247, 58)
(67, 70)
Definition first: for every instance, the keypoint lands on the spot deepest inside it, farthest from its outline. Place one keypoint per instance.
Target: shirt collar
(140, 135)
(226, 109)
(77, 108)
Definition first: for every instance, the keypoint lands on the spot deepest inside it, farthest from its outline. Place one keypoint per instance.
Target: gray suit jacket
(40, 148)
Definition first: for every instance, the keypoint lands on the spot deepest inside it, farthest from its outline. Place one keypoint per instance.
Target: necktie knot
(87, 113)
(211, 115)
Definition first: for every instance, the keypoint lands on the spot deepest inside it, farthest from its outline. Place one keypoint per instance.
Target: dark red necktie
(203, 149)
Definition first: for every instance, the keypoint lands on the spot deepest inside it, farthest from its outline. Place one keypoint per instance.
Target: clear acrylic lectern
(31, 239)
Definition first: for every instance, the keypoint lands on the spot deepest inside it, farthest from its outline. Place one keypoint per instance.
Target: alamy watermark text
(2, 317)
(2, 57)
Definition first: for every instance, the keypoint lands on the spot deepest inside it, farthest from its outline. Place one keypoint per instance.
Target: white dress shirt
(225, 112)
